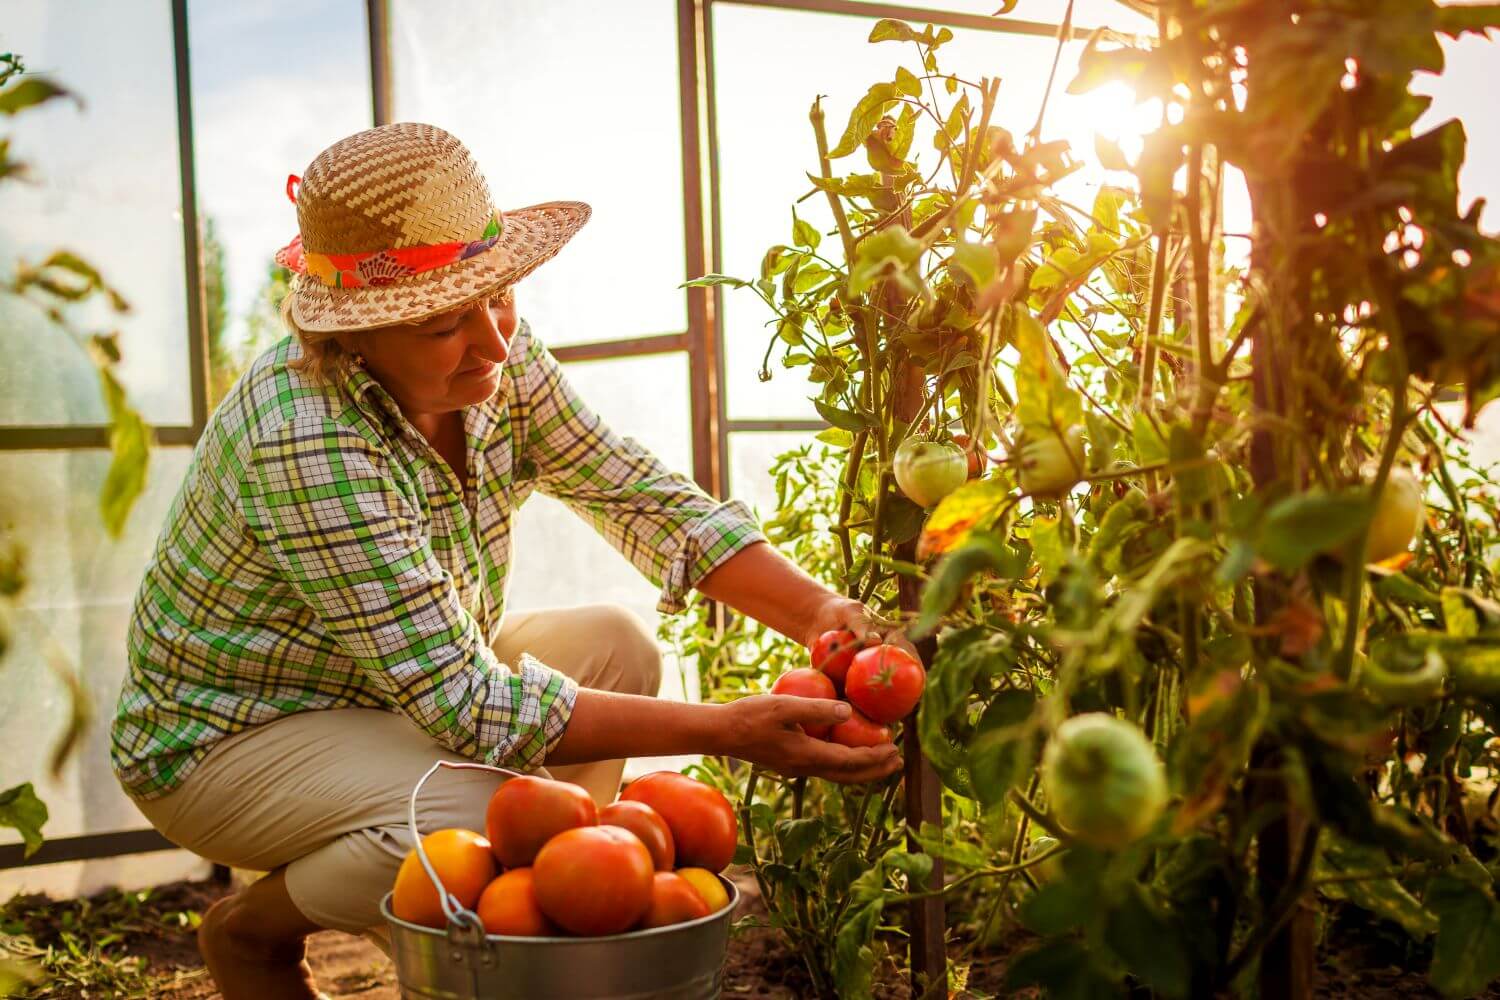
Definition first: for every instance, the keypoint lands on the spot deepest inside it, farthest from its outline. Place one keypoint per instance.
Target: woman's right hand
(765, 729)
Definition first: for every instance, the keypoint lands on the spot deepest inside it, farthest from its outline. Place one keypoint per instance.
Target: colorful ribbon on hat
(380, 267)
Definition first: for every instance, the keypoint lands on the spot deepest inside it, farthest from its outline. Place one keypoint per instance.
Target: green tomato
(1049, 870)
(1404, 687)
(927, 471)
(1105, 784)
(1051, 464)
(1398, 516)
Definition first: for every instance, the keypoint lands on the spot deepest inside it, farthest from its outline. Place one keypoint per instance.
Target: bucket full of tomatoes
(563, 901)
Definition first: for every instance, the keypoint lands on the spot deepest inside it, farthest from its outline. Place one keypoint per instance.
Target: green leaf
(1149, 943)
(1467, 953)
(804, 234)
(907, 82)
(130, 443)
(1111, 157)
(1044, 400)
(1047, 544)
(840, 418)
(866, 114)
(890, 253)
(1454, 20)
(709, 280)
(1300, 527)
(1383, 896)
(1064, 967)
(23, 812)
(981, 552)
(888, 29)
(975, 260)
(30, 92)
(853, 960)
(796, 836)
(1004, 749)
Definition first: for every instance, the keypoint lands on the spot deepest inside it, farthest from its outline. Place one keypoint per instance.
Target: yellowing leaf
(977, 504)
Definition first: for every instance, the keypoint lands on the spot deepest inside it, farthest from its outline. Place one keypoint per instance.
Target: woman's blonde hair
(323, 357)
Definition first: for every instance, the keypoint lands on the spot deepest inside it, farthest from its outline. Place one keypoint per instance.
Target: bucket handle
(464, 925)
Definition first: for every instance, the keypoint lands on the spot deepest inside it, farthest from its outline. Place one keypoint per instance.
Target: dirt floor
(758, 964)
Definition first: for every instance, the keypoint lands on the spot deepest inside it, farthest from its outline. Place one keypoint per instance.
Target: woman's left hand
(845, 612)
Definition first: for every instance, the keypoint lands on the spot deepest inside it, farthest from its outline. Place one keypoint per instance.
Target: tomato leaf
(23, 812)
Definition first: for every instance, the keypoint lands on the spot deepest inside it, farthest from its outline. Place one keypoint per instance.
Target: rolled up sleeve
(324, 504)
(672, 531)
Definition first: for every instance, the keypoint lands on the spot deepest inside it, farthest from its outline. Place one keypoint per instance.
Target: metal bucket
(680, 962)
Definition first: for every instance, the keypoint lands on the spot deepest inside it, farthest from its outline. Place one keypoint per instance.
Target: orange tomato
(464, 864)
(508, 906)
(673, 900)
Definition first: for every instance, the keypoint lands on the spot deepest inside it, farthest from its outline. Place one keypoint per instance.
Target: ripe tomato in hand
(673, 900)
(525, 812)
(833, 651)
(885, 683)
(646, 823)
(805, 682)
(594, 879)
(859, 731)
(701, 819)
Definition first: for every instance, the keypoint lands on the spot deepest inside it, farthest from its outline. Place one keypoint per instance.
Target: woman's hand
(764, 729)
(844, 612)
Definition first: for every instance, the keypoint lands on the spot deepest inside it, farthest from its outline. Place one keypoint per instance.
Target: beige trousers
(325, 793)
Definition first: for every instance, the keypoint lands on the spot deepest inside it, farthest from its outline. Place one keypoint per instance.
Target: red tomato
(833, 651)
(594, 880)
(977, 458)
(508, 906)
(885, 682)
(702, 820)
(526, 812)
(805, 682)
(859, 731)
(646, 823)
(673, 900)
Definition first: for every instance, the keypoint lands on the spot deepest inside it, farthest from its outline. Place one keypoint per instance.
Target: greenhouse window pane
(76, 607)
(1086, 13)
(560, 560)
(751, 455)
(566, 100)
(761, 169)
(107, 188)
(245, 63)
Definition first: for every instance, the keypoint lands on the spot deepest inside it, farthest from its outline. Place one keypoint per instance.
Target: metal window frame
(703, 340)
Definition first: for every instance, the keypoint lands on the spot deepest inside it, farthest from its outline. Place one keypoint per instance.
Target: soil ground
(758, 965)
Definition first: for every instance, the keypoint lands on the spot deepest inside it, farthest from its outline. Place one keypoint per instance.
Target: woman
(322, 617)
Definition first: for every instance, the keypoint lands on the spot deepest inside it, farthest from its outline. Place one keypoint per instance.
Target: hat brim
(532, 236)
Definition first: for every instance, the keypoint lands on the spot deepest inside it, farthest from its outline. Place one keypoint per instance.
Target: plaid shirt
(320, 554)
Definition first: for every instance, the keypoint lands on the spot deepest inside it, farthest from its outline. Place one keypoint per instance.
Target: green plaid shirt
(319, 554)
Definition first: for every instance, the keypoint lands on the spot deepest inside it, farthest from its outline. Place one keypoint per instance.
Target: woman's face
(444, 363)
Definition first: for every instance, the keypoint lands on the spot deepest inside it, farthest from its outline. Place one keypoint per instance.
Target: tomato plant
(1203, 530)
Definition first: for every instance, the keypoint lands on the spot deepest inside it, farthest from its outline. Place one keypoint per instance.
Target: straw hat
(397, 225)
